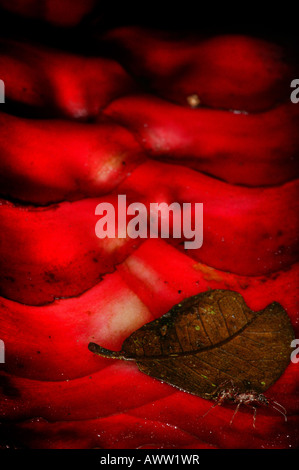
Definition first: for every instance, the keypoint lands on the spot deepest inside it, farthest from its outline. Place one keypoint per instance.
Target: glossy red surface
(120, 124)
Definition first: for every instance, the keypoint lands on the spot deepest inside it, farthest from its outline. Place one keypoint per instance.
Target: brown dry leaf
(210, 338)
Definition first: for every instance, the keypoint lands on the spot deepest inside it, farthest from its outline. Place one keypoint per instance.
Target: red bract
(61, 83)
(235, 147)
(61, 255)
(235, 218)
(62, 287)
(144, 287)
(231, 71)
(51, 161)
(109, 317)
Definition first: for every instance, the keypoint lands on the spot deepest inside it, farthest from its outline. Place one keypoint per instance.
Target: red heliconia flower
(82, 130)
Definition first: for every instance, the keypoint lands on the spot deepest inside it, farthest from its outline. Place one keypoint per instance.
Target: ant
(248, 398)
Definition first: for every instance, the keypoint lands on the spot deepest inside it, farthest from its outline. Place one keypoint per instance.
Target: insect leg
(280, 406)
(235, 412)
(254, 412)
(279, 410)
(223, 384)
(254, 416)
(211, 407)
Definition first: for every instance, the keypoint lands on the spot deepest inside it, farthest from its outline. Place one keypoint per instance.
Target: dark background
(276, 21)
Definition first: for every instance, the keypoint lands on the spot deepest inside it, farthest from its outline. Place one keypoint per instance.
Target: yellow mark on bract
(193, 100)
(126, 314)
(143, 272)
(113, 244)
(209, 274)
(108, 169)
